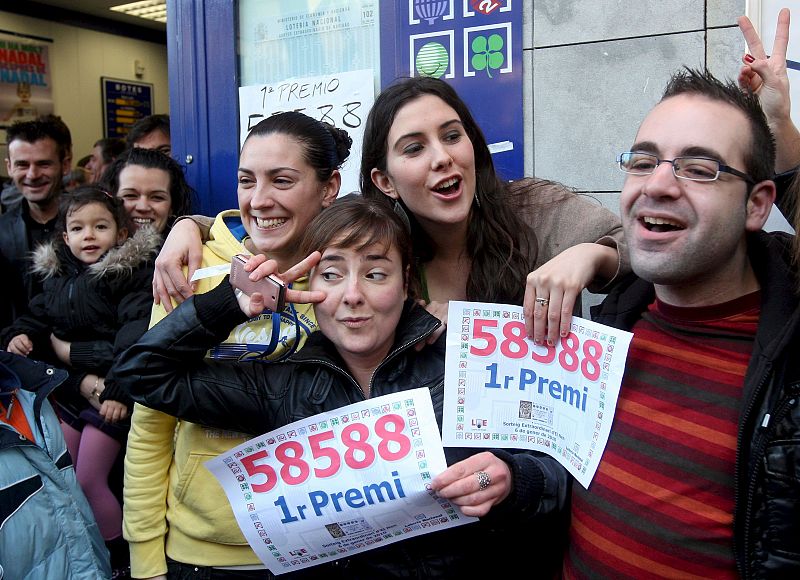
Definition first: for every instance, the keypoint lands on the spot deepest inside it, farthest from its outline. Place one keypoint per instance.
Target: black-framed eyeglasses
(691, 168)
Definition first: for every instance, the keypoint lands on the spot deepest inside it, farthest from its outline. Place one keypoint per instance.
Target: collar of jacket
(415, 324)
(54, 257)
(771, 258)
(34, 376)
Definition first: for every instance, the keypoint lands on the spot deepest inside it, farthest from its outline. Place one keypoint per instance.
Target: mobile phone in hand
(271, 288)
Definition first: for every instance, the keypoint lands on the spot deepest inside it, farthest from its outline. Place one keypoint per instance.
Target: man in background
(39, 156)
(103, 154)
(151, 132)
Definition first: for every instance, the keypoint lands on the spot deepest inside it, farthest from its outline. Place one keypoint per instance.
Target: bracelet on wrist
(95, 392)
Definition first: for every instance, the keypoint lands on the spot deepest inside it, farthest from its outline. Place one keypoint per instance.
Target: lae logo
(486, 6)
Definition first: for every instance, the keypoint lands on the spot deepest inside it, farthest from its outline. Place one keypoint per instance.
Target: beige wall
(78, 58)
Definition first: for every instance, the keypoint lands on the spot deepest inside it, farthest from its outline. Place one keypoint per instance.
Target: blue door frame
(203, 99)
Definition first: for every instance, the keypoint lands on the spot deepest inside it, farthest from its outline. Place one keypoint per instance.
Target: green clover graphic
(487, 53)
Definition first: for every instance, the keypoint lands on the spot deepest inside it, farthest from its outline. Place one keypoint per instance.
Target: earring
(398, 209)
(477, 199)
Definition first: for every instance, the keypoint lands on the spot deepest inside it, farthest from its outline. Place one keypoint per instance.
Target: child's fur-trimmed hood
(136, 250)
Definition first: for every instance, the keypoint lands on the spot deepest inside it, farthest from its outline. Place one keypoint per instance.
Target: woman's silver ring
(542, 301)
(484, 480)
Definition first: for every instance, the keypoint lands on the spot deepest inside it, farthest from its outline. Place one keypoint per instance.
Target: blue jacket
(47, 529)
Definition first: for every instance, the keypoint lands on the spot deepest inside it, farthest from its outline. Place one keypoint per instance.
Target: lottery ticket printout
(501, 390)
(339, 483)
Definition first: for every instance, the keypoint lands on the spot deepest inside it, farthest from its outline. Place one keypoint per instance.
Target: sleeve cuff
(114, 392)
(81, 354)
(218, 308)
(202, 222)
(527, 485)
(601, 285)
(148, 558)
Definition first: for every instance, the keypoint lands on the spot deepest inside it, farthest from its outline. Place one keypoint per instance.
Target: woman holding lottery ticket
(363, 290)
(476, 237)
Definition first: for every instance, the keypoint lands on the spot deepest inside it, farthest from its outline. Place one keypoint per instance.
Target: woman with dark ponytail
(177, 518)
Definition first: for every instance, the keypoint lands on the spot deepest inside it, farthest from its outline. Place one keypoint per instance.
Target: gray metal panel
(725, 12)
(590, 99)
(725, 50)
(558, 22)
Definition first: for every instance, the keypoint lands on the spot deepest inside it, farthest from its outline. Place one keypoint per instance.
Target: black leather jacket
(767, 478)
(166, 371)
(19, 285)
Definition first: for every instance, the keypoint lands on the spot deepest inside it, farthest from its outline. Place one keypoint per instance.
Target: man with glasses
(701, 474)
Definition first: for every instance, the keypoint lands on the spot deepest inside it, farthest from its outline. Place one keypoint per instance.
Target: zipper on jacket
(785, 405)
(764, 437)
(395, 352)
(741, 563)
(389, 357)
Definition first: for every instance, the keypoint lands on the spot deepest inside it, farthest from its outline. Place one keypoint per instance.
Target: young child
(96, 288)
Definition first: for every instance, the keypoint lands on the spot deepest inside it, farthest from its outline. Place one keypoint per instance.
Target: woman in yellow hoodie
(176, 517)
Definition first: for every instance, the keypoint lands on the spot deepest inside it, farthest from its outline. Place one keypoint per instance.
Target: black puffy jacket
(166, 370)
(767, 480)
(100, 309)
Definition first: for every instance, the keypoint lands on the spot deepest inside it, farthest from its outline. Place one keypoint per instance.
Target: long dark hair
(180, 192)
(500, 244)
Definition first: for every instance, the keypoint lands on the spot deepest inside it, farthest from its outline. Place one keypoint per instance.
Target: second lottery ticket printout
(502, 390)
(339, 483)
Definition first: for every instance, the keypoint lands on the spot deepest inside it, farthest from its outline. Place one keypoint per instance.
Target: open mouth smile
(270, 223)
(661, 225)
(448, 186)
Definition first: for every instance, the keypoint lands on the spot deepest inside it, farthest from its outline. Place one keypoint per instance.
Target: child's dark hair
(85, 195)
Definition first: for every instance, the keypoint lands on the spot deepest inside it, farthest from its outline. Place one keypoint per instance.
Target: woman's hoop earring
(477, 199)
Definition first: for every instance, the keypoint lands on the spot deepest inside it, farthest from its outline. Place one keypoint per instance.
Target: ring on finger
(542, 301)
(484, 480)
